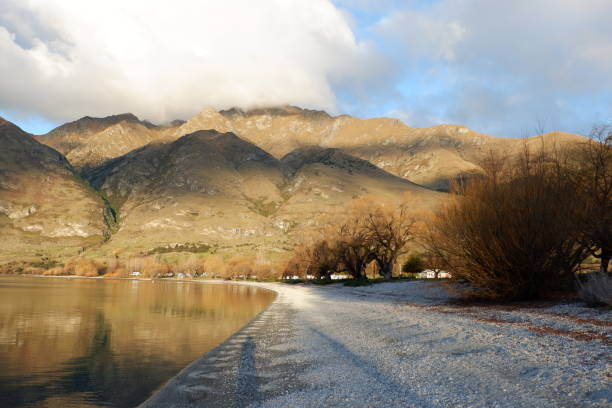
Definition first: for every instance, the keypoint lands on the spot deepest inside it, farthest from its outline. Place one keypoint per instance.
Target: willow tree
(351, 247)
(388, 233)
(513, 233)
(594, 183)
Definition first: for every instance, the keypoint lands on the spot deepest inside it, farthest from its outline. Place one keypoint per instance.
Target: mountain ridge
(226, 179)
(431, 157)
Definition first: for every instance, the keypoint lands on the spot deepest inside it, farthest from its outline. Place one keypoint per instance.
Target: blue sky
(502, 68)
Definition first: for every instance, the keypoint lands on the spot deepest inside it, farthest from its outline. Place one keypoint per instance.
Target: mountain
(44, 206)
(323, 180)
(432, 157)
(89, 142)
(229, 179)
(212, 188)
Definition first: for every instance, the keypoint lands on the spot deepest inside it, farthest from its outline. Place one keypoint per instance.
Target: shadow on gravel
(247, 384)
(372, 371)
(414, 292)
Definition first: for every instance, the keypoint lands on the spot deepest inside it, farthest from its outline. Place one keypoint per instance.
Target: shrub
(414, 264)
(190, 266)
(33, 270)
(69, 266)
(596, 289)
(153, 269)
(240, 267)
(265, 272)
(294, 267)
(135, 265)
(86, 267)
(512, 234)
(55, 271)
(214, 266)
(591, 173)
(117, 272)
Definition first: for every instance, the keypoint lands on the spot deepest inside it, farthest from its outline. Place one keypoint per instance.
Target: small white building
(431, 274)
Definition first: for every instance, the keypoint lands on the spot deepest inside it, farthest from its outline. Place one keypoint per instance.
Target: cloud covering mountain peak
(163, 60)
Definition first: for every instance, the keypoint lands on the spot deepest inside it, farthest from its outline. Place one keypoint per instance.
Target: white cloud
(162, 60)
(423, 35)
(505, 65)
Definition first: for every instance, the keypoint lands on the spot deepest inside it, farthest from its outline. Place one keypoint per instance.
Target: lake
(109, 343)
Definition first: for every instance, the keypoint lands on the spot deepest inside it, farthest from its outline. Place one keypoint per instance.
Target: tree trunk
(605, 261)
(387, 270)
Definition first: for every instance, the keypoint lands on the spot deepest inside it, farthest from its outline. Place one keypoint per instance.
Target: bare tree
(352, 248)
(294, 267)
(319, 258)
(214, 266)
(593, 180)
(388, 234)
(367, 231)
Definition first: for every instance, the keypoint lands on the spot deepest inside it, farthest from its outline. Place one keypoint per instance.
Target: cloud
(498, 67)
(503, 66)
(163, 60)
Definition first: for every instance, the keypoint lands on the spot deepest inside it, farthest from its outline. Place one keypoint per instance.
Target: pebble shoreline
(397, 345)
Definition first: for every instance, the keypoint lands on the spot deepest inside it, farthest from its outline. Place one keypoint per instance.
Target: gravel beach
(402, 344)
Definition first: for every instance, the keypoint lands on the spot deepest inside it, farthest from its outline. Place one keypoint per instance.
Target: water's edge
(225, 375)
(174, 383)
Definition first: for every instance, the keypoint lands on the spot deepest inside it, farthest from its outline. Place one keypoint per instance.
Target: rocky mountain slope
(226, 178)
(44, 205)
(89, 142)
(430, 156)
(211, 188)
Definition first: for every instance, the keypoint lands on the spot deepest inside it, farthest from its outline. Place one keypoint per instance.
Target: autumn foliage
(520, 231)
(369, 232)
(212, 266)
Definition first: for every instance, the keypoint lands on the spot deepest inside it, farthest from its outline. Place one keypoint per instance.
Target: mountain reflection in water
(109, 343)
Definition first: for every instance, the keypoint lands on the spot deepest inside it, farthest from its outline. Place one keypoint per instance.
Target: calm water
(109, 343)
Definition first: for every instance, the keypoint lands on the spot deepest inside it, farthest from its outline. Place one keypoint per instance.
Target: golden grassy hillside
(217, 189)
(44, 205)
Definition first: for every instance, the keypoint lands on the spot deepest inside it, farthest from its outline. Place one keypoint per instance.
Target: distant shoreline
(102, 277)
